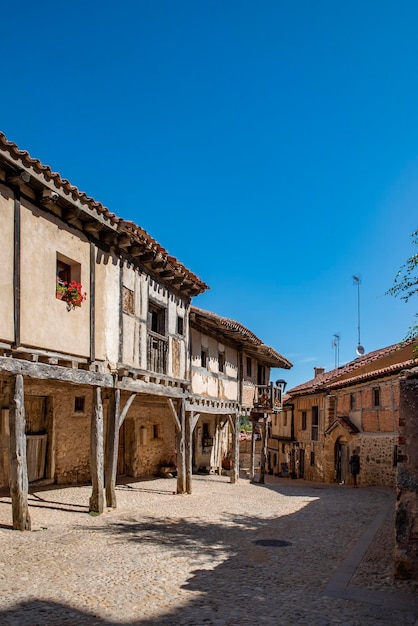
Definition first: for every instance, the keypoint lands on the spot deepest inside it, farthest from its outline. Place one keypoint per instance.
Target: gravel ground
(228, 555)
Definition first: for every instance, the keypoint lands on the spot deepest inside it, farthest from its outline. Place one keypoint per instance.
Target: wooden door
(36, 436)
(301, 463)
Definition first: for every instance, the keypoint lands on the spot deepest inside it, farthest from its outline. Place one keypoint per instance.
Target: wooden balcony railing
(268, 398)
(157, 354)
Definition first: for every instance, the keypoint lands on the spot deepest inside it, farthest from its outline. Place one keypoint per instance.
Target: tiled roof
(237, 333)
(92, 217)
(360, 369)
(346, 423)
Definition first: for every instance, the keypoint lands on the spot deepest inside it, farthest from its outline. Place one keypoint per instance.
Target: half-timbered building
(94, 334)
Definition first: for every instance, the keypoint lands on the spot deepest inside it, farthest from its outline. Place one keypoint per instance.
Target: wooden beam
(263, 455)
(174, 414)
(180, 447)
(112, 444)
(44, 371)
(252, 456)
(235, 451)
(96, 454)
(126, 409)
(189, 450)
(18, 469)
(16, 268)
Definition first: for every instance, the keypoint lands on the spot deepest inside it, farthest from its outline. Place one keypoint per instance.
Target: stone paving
(287, 552)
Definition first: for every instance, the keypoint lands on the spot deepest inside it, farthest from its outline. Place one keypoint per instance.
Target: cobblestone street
(288, 552)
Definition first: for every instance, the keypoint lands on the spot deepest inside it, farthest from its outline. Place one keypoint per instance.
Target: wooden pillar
(181, 452)
(252, 455)
(263, 454)
(235, 450)
(18, 469)
(96, 454)
(112, 445)
(189, 450)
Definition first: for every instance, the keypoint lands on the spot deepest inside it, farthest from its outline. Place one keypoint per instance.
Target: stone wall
(377, 456)
(406, 547)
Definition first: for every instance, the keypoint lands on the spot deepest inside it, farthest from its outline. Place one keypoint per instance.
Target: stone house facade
(353, 407)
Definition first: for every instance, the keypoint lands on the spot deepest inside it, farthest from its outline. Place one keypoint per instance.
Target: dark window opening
(79, 404)
(156, 320)
(221, 360)
(376, 397)
(315, 423)
(352, 402)
(312, 459)
(155, 431)
(63, 272)
(261, 375)
(204, 357)
(180, 325)
(304, 420)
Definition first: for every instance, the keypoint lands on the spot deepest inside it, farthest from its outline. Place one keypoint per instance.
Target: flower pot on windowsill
(71, 293)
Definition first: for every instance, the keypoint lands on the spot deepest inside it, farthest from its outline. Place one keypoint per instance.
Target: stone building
(353, 407)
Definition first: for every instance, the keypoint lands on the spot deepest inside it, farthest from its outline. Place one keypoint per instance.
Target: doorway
(341, 461)
(37, 436)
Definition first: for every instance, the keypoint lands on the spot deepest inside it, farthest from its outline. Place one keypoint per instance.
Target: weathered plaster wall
(209, 381)
(61, 330)
(6, 264)
(107, 307)
(144, 452)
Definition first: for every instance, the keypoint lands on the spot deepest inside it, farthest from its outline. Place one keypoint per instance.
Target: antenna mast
(336, 346)
(357, 281)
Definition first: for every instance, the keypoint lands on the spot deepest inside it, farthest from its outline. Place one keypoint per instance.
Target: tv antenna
(336, 346)
(357, 281)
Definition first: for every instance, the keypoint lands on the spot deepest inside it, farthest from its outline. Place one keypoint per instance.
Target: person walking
(354, 463)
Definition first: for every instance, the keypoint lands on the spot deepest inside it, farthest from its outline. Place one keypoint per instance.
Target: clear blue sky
(271, 146)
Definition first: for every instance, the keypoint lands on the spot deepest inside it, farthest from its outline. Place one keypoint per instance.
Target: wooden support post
(189, 451)
(96, 454)
(18, 469)
(112, 445)
(235, 450)
(263, 455)
(180, 447)
(252, 456)
(191, 421)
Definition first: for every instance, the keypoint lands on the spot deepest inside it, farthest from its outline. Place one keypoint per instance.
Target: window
(315, 423)
(66, 271)
(352, 401)
(156, 319)
(155, 431)
(180, 325)
(79, 404)
(376, 396)
(204, 358)
(261, 375)
(221, 361)
(304, 420)
(312, 458)
(63, 272)
(249, 366)
(285, 418)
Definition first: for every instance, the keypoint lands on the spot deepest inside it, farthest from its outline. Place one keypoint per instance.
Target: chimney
(318, 371)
